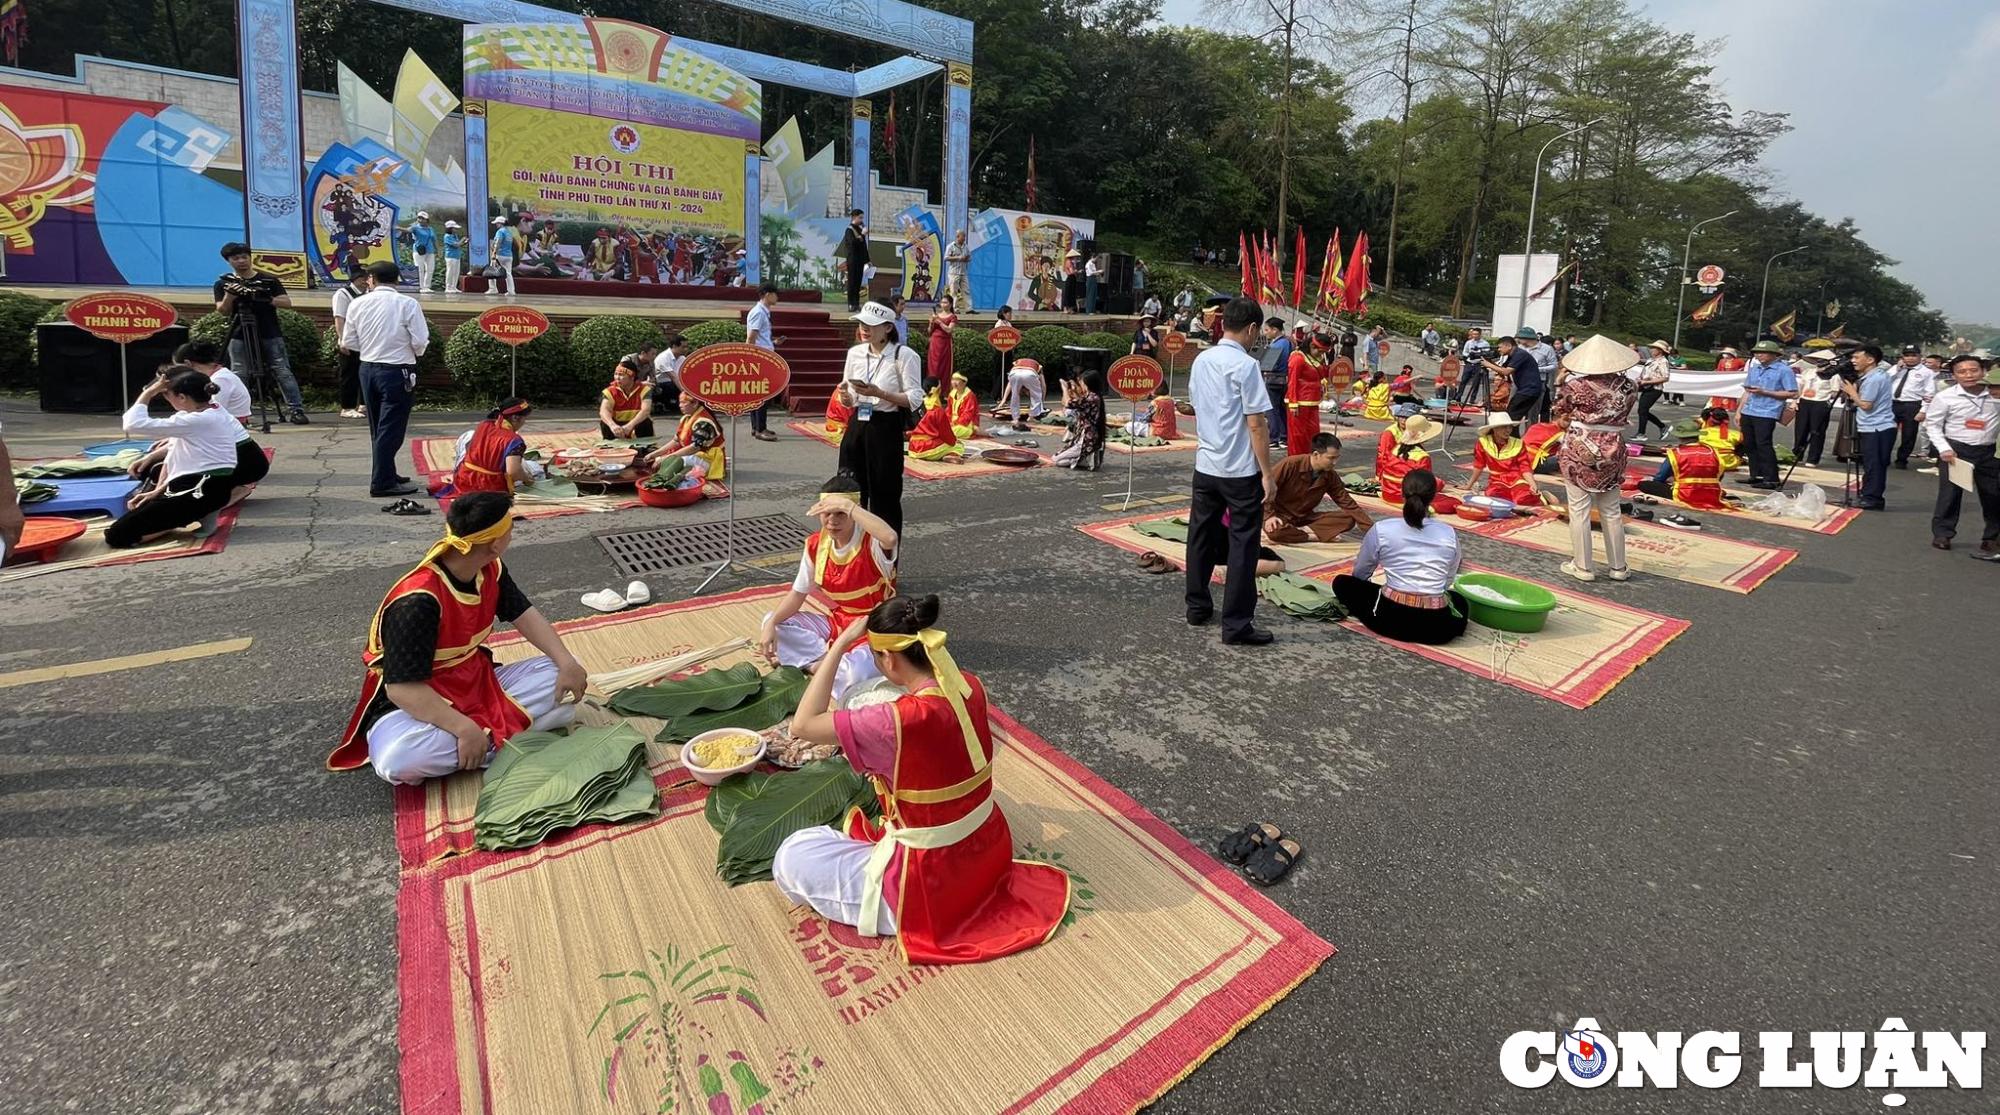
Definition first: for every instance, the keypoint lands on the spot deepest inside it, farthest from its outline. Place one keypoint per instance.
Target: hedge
(479, 367)
(597, 344)
(19, 314)
(1407, 323)
(302, 340)
(973, 358)
(1044, 344)
(712, 333)
(1117, 344)
(430, 363)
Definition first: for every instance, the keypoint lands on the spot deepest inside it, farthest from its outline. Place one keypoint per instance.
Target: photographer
(1866, 385)
(250, 299)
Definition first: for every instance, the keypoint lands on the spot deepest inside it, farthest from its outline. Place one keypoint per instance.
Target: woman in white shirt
(1819, 395)
(201, 458)
(883, 381)
(1419, 558)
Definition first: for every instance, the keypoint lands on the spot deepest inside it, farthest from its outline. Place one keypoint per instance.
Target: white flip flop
(604, 600)
(637, 593)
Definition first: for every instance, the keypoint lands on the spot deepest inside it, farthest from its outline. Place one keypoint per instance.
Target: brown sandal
(1150, 562)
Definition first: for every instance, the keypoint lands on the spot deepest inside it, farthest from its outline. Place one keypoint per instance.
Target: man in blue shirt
(424, 246)
(1274, 362)
(1768, 384)
(1873, 400)
(1526, 376)
(757, 331)
(1232, 473)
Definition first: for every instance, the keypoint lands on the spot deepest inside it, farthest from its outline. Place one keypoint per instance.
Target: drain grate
(651, 551)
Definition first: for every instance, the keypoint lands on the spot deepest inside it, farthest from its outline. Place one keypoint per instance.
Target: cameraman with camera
(1866, 385)
(250, 299)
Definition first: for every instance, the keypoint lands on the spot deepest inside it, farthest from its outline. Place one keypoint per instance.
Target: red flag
(1299, 269)
(1243, 263)
(1354, 295)
(889, 126)
(13, 29)
(1273, 286)
(1332, 288)
(1707, 310)
(1031, 171)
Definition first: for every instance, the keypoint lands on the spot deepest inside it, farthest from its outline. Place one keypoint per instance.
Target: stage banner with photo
(617, 155)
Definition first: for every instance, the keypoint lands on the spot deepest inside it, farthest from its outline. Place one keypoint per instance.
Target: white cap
(874, 313)
(451, 224)
(499, 220)
(423, 215)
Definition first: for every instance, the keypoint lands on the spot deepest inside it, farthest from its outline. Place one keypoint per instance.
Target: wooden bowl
(1014, 458)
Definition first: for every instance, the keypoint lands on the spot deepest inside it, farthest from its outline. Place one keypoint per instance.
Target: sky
(1898, 128)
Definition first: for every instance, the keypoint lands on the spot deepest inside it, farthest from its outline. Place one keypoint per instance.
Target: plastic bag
(1809, 504)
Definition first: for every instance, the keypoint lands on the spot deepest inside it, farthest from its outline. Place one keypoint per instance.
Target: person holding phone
(884, 384)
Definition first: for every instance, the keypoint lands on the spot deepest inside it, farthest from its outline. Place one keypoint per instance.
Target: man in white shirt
(757, 331)
(667, 371)
(1090, 273)
(1232, 473)
(1963, 421)
(350, 360)
(387, 328)
(1914, 386)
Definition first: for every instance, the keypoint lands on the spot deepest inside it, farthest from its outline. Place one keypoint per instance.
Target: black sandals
(1239, 846)
(406, 507)
(1272, 861)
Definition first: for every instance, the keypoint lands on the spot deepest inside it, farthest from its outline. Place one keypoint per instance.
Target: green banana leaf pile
(549, 487)
(669, 475)
(34, 491)
(541, 783)
(1299, 596)
(1125, 437)
(1173, 530)
(754, 812)
(70, 467)
(734, 698)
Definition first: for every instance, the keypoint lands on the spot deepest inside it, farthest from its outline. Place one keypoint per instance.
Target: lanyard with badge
(864, 405)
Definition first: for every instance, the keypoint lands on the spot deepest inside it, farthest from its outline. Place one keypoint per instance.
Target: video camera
(1843, 366)
(251, 289)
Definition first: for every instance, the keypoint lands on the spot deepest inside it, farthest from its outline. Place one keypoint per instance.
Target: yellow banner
(591, 172)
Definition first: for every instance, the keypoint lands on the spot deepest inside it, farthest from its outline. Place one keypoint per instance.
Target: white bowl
(712, 777)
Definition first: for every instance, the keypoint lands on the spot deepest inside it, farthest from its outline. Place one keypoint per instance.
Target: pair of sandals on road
(1150, 562)
(406, 506)
(1262, 850)
(611, 600)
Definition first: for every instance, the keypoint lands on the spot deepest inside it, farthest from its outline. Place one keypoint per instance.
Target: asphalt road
(1782, 822)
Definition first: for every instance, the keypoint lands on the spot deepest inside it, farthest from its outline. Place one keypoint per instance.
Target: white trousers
(506, 267)
(1032, 383)
(1581, 503)
(822, 868)
(426, 267)
(402, 748)
(452, 264)
(803, 640)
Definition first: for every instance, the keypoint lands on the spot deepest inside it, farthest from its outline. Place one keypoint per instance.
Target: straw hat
(1418, 430)
(1600, 355)
(1662, 346)
(1497, 419)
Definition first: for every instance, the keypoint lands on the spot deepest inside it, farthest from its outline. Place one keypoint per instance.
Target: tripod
(243, 326)
(1849, 435)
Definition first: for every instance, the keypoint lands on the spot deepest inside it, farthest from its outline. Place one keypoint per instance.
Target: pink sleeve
(868, 735)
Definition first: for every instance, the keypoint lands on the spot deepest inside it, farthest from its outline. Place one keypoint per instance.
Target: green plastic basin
(1505, 603)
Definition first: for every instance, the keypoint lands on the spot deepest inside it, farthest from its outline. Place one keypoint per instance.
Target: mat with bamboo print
(1589, 645)
(435, 458)
(1696, 557)
(616, 973)
(1123, 533)
(928, 470)
(88, 550)
(1833, 522)
(434, 820)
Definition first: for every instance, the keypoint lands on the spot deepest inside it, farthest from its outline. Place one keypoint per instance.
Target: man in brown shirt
(1302, 481)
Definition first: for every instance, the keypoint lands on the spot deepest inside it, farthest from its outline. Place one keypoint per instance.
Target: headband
(949, 679)
(840, 497)
(518, 408)
(465, 543)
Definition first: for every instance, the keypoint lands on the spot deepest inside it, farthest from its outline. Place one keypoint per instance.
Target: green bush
(303, 343)
(18, 315)
(973, 358)
(431, 362)
(1044, 343)
(1407, 323)
(921, 341)
(595, 346)
(1166, 281)
(1117, 344)
(479, 367)
(711, 333)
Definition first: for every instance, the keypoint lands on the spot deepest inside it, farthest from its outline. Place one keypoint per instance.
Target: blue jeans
(1877, 446)
(385, 391)
(276, 362)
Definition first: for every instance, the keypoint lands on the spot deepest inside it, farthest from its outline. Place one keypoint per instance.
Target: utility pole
(1285, 133)
(1687, 250)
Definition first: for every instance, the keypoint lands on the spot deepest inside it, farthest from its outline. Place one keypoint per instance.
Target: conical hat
(1600, 355)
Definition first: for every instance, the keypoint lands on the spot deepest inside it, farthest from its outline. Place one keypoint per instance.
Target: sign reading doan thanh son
(122, 318)
(1135, 377)
(734, 379)
(513, 325)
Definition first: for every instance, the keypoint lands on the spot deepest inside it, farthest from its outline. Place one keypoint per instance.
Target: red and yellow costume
(933, 439)
(851, 588)
(1305, 386)
(1390, 474)
(1510, 471)
(1725, 441)
(1166, 420)
(625, 402)
(714, 456)
(1697, 476)
(461, 667)
(959, 895)
(838, 414)
(964, 409)
(484, 468)
(1375, 403)
(1542, 439)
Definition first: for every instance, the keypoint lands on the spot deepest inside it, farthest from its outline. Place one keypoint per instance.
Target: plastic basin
(669, 497)
(43, 535)
(1504, 603)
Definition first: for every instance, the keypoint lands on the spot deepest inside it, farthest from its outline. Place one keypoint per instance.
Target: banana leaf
(540, 782)
(780, 805)
(703, 692)
(34, 491)
(776, 698)
(1299, 596)
(1173, 530)
(726, 798)
(1124, 437)
(549, 487)
(68, 467)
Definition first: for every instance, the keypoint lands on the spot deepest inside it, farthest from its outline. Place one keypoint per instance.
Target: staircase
(816, 348)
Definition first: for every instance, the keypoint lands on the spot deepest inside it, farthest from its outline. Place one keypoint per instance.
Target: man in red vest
(1692, 474)
(432, 701)
(850, 565)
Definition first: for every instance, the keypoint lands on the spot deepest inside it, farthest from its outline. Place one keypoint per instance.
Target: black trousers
(873, 452)
(1648, 398)
(1472, 387)
(350, 380)
(1985, 484)
(1234, 547)
(1391, 620)
(1809, 429)
(643, 429)
(1760, 448)
(1276, 417)
(1522, 408)
(185, 500)
(251, 464)
(1906, 421)
(854, 269)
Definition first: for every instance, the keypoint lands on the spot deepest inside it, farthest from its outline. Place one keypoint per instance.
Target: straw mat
(1302, 559)
(927, 470)
(434, 457)
(614, 973)
(1589, 645)
(1697, 557)
(88, 550)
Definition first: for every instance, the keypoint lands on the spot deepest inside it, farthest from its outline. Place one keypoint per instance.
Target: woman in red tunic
(937, 356)
(626, 407)
(1506, 463)
(1410, 457)
(493, 460)
(938, 870)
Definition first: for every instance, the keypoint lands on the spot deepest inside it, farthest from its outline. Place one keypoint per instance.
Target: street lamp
(1680, 303)
(1758, 332)
(1819, 322)
(1534, 195)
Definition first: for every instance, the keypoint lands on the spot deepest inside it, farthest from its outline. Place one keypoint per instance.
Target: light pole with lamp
(1687, 250)
(1819, 320)
(1758, 333)
(1534, 195)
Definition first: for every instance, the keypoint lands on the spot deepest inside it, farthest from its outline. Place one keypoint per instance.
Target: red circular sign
(1341, 373)
(1135, 377)
(513, 325)
(734, 379)
(1003, 338)
(123, 318)
(1173, 343)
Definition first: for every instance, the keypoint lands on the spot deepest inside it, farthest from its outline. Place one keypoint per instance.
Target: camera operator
(1472, 357)
(250, 299)
(1868, 388)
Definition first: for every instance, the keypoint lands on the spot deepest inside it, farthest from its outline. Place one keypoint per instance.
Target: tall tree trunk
(1465, 252)
(1402, 149)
